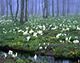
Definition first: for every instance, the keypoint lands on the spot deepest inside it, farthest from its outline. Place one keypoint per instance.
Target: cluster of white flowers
(58, 35)
(78, 28)
(68, 39)
(76, 41)
(11, 54)
(45, 45)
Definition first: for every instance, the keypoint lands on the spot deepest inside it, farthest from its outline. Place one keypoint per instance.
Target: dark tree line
(46, 8)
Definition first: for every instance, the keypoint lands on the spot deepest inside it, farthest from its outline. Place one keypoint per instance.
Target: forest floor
(58, 36)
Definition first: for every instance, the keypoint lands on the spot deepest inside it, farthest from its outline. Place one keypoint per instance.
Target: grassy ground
(59, 35)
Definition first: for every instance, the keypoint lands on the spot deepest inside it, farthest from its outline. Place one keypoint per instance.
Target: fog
(36, 6)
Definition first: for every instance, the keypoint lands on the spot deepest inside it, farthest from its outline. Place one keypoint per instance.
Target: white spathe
(28, 38)
(35, 34)
(76, 41)
(25, 33)
(35, 57)
(10, 52)
(31, 31)
(5, 55)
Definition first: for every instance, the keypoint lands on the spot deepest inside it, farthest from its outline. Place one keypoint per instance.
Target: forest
(39, 31)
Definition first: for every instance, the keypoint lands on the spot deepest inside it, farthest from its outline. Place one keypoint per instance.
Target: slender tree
(22, 12)
(17, 10)
(63, 8)
(57, 7)
(35, 7)
(10, 4)
(26, 19)
(45, 9)
(2, 8)
(68, 5)
(42, 5)
(7, 8)
(53, 8)
(32, 7)
(39, 6)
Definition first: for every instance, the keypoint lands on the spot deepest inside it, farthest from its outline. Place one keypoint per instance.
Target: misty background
(35, 7)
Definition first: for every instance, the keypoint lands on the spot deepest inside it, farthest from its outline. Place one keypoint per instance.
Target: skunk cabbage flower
(35, 57)
(10, 52)
(76, 41)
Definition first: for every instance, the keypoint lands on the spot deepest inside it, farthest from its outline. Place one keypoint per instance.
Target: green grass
(51, 27)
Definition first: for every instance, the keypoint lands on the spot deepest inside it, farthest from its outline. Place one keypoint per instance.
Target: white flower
(27, 28)
(40, 32)
(67, 29)
(31, 31)
(76, 41)
(40, 26)
(39, 44)
(10, 30)
(44, 28)
(61, 41)
(78, 28)
(5, 55)
(13, 29)
(14, 56)
(66, 39)
(54, 28)
(50, 25)
(25, 33)
(35, 34)
(28, 38)
(10, 52)
(44, 43)
(40, 47)
(3, 28)
(35, 57)
(58, 35)
(70, 38)
(47, 43)
(46, 47)
(20, 31)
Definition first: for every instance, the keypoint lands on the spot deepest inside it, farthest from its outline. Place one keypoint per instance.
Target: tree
(63, 7)
(32, 7)
(10, 4)
(26, 19)
(22, 12)
(2, 7)
(17, 10)
(57, 7)
(14, 18)
(53, 8)
(39, 7)
(45, 9)
(7, 8)
(68, 7)
(35, 7)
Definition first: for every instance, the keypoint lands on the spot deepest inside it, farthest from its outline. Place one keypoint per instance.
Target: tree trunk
(53, 8)
(17, 11)
(63, 8)
(26, 19)
(32, 8)
(22, 12)
(39, 7)
(57, 7)
(68, 7)
(7, 8)
(45, 9)
(10, 4)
